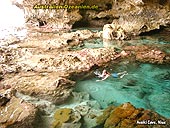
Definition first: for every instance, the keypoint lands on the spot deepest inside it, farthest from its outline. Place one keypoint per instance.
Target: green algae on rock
(65, 115)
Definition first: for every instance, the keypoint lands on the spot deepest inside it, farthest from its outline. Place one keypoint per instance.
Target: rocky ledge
(126, 115)
(128, 17)
(16, 113)
(47, 73)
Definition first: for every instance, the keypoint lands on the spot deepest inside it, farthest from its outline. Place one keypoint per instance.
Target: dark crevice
(152, 32)
(80, 24)
(108, 6)
(163, 2)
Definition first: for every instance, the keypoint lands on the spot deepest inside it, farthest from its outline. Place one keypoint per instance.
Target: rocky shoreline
(46, 72)
(39, 69)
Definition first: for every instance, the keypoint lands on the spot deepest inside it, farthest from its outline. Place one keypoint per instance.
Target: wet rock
(127, 115)
(81, 111)
(153, 56)
(71, 125)
(17, 114)
(66, 117)
(101, 119)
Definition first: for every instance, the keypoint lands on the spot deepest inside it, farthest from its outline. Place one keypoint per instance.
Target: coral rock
(17, 114)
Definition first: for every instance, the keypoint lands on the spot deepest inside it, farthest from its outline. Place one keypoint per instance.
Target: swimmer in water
(105, 74)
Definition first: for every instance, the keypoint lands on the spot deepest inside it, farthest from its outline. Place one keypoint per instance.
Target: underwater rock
(17, 114)
(46, 86)
(126, 115)
(84, 112)
(66, 117)
(163, 76)
(71, 125)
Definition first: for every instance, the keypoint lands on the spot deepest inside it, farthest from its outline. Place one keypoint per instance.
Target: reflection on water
(146, 86)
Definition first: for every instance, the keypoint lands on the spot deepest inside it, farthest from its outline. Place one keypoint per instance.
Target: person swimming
(105, 74)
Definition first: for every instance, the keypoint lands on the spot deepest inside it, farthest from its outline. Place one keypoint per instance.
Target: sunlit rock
(17, 113)
(50, 87)
(126, 115)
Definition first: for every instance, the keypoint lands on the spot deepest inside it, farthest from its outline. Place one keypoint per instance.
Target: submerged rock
(80, 111)
(66, 117)
(17, 114)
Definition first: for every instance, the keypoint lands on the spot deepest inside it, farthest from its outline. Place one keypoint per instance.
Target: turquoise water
(158, 41)
(146, 86)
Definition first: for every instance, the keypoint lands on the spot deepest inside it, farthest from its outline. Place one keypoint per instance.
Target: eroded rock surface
(17, 114)
(46, 86)
(133, 17)
(82, 113)
(42, 67)
(126, 115)
(149, 54)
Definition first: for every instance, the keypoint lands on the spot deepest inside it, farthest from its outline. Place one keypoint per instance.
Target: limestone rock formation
(17, 114)
(126, 115)
(149, 54)
(134, 17)
(137, 18)
(46, 86)
(82, 113)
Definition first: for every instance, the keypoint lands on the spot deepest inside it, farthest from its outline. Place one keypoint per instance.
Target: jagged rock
(148, 54)
(17, 114)
(126, 115)
(46, 86)
(58, 19)
(81, 112)
(135, 17)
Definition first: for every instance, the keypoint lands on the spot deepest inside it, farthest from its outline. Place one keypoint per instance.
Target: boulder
(45, 86)
(126, 115)
(17, 114)
(65, 117)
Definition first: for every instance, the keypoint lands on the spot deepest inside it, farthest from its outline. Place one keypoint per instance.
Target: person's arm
(104, 78)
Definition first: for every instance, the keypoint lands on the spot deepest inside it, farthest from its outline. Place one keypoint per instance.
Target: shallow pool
(146, 86)
(163, 42)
